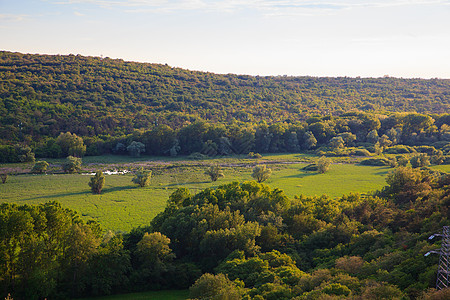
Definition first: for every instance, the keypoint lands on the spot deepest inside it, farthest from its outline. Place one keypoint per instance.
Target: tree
(261, 173)
(142, 177)
(71, 144)
(337, 142)
(154, 249)
(421, 160)
(372, 136)
(323, 164)
(24, 154)
(72, 164)
(40, 167)
(218, 286)
(310, 140)
(97, 182)
(136, 148)
(215, 172)
(4, 177)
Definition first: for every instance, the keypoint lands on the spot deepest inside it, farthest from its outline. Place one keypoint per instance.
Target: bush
(360, 152)
(40, 167)
(8, 154)
(254, 155)
(215, 172)
(402, 161)
(97, 182)
(323, 164)
(136, 148)
(4, 177)
(399, 149)
(261, 173)
(310, 167)
(430, 150)
(72, 164)
(375, 162)
(421, 160)
(218, 286)
(142, 178)
(197, 156)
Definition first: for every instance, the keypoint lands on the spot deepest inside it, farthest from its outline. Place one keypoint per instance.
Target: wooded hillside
(43, 95)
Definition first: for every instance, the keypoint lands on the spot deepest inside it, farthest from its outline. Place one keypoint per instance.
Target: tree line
(237, 241)
(359, 134)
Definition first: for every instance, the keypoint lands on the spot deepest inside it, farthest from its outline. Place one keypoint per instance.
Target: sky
(398, 38)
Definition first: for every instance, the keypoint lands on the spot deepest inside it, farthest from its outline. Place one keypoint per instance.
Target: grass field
(122, 205)
(155, 295)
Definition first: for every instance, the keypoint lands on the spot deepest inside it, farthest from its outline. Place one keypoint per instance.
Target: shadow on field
(118, 189)
(57, 196)
(183, 183)
(301, 175)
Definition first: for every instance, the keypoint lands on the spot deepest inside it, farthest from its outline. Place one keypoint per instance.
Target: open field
(155, 295)
(122, 205)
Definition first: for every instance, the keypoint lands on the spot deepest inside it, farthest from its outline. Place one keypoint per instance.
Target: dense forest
(249, 241)
(43, 95)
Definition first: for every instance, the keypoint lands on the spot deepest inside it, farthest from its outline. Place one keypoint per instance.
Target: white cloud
(13, 17)
(287, 6)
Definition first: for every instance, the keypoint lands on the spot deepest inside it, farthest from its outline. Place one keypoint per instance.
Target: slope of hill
(42, 95)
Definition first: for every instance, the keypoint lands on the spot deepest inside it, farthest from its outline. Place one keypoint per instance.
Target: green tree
(214, 172)
(142, 177)
(24, 154)
(323, 164)
(154, 248)
(421, 160)
(72, 164)
(40, 167)
(337, 142)
(136, 148)
(217, 287)
(372, 136)
(261, 173)
(71, 144)
(97, 182)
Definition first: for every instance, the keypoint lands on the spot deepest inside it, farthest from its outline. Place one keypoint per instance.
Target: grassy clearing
(122, 205)
(154, 295)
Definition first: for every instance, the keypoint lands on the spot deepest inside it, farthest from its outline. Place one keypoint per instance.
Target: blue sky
(401, 38)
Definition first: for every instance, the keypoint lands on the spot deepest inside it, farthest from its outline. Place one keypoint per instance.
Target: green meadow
(123, 205)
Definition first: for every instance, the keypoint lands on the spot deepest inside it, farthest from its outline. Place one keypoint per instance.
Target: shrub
(310, 167)
(323, 164)
(218, 286)
(197, 156)
(40, 167)
(360, 152)
(72, 164)
(97, 182)
(142, 178)
(399, 149)
(375, 162)
(402, 161)
(215, 172)
(4, 177)
(430, 150)
(136, 148)
(261, 173)
(421, 160)
(254, 155)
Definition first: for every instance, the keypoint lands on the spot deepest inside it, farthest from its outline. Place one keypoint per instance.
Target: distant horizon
(218, 73)
(322, 38)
